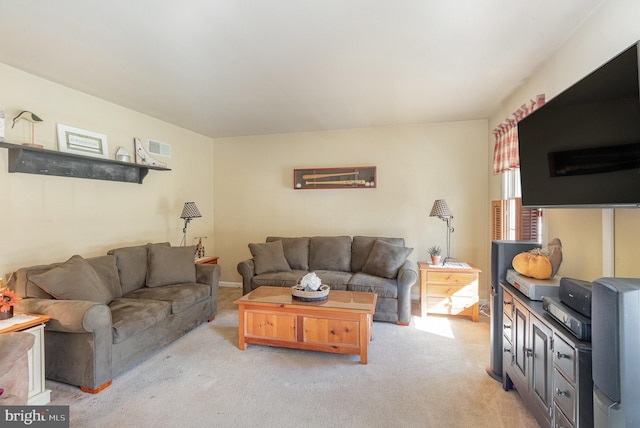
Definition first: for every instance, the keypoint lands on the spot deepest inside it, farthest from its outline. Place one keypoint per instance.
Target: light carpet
(430, 374)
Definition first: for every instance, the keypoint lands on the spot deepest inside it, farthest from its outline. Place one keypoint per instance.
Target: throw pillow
(74, 279)
(171, 265)
(361, 248)
(296, 251)
(269, 257)
(386, 259)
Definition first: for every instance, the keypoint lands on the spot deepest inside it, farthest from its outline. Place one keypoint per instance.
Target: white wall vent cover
(158, 148)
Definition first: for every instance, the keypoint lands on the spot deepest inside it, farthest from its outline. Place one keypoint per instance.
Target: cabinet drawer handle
(507, 303)
(506, 350)
(506, 326)
(561, 356)
(561, 393)
(528, 352)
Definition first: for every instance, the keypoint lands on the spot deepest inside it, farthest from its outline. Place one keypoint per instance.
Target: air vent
(158, 148)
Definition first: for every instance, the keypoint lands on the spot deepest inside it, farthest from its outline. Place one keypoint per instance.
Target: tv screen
(582, 148)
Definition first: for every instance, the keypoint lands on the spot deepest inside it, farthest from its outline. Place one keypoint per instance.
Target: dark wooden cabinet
(32, 160)
(549, 367)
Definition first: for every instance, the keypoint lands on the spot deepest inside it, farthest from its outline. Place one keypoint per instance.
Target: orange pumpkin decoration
(539, 263)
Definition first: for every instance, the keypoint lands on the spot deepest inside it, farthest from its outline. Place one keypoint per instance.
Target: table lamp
(190, 211)
(440, 209)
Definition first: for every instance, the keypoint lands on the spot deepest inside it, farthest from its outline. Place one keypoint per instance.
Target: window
(508, 219)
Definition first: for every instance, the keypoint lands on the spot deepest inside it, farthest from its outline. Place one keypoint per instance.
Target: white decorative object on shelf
(81, 142)
(122, 155)
(143, 157)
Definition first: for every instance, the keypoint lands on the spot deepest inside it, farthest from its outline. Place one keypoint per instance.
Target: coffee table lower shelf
(308, 326)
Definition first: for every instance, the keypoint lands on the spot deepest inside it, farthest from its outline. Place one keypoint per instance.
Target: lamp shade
(440, 209)
(190, 210)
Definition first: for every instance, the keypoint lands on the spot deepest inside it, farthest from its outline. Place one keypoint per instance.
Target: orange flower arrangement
(8, 298)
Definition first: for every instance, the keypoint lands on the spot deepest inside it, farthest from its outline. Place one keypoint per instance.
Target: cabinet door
(520, 345)
(520, 330)
(541, 367)
(270, 325)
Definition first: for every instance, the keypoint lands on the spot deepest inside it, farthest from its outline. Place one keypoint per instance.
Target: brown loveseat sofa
(364, 263)
(110, 312)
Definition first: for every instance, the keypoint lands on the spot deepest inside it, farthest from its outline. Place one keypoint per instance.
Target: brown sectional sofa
(361, 263)
(111, 312)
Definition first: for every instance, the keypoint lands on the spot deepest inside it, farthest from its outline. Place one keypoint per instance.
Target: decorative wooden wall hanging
(353, 177)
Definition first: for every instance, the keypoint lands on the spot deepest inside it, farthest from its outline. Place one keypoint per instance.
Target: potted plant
(435, 254)
(8, 299)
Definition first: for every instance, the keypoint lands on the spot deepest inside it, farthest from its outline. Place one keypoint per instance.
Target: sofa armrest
(78, 341)
(407, 276)
(210, 275)
(246, 268)
(70, 316)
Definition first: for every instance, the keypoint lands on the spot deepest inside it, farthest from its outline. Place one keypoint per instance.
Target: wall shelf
(32, 160)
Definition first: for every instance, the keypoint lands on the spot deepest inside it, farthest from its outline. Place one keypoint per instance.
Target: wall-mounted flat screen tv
(582, 148)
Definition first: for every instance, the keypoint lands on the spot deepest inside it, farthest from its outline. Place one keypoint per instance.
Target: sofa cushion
(131, 316)
(296, 251)
(269, 257)
(336, 280)
(132, 266)
(385, 259)
(74, 279)
(278, 279)
(181, 296)
(171, 265)
(361, 248)
(330, 253)
(107, 270)
(383, 287)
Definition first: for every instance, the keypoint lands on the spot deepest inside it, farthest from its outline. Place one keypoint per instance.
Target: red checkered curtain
(505, 151)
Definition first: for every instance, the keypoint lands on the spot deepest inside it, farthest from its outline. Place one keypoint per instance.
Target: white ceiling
(246, 67)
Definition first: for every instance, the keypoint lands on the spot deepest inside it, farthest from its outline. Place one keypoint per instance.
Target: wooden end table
(341, 324)
(208, 261)
(450, 289)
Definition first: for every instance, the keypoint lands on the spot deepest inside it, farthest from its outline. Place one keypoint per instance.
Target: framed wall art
(351, 177)
(82, 142)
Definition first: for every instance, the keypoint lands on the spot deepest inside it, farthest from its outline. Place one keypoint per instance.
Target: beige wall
(45, 219)
(610, 30)
(415, 165)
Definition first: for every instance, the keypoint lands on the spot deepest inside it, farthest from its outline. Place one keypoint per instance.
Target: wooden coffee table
(341, 324)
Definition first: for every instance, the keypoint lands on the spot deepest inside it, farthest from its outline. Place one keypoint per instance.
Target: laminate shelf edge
(33, 160)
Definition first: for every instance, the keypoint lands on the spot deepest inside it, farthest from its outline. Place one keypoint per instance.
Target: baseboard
(230, 284)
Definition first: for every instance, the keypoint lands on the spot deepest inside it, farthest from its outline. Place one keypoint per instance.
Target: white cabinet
(38, 394)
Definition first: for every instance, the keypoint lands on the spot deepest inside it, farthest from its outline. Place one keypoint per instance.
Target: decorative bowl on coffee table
(301, 294)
